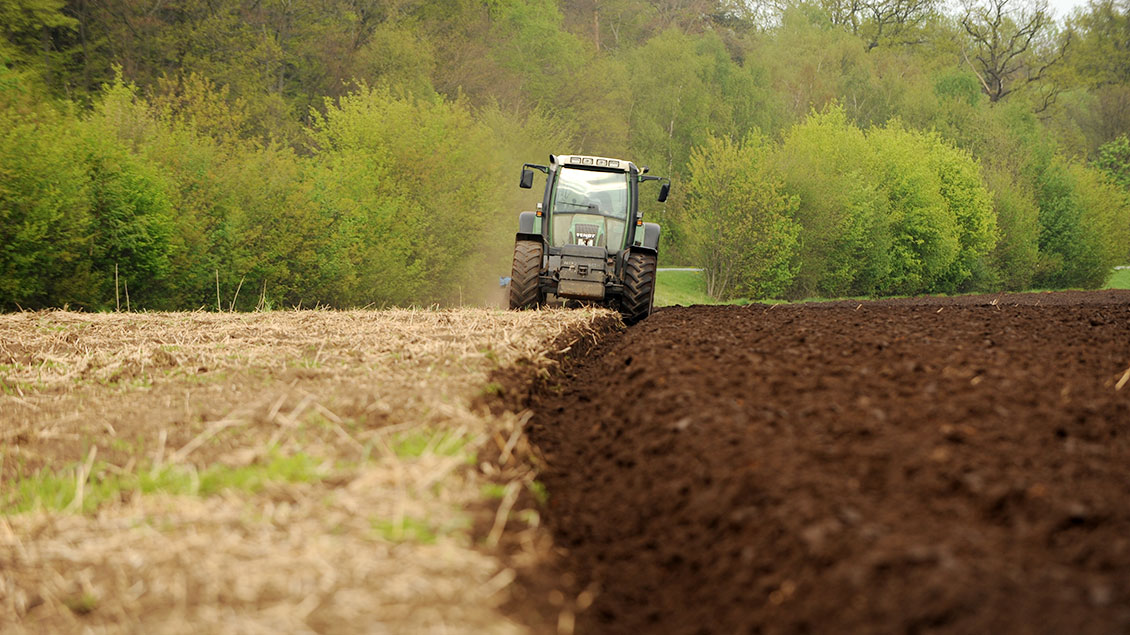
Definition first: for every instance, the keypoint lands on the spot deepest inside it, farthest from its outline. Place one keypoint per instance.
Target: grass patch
(688, 288)
(414, 444)
(680, 287)
(1119, 279)
(57, 490)
(407, 530)
(685, 288)
(494, 490)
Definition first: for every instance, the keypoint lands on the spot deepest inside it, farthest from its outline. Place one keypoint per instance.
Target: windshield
(589, 208)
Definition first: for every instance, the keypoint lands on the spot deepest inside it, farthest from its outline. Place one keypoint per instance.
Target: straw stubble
(371, 535)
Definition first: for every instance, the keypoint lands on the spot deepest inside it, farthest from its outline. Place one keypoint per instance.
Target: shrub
(739, 221)
(1084, 225)
(844, 237)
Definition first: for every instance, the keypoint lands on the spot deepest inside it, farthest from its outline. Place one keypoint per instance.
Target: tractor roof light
(593, 161)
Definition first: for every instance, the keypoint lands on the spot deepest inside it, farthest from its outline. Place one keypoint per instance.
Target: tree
(843, 214)
(1013, 45)
(741, 227)
(1114, 160)
(880, 21)
(36, 33)
(1102, 55)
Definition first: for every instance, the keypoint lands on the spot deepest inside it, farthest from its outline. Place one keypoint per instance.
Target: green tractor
(587, 241)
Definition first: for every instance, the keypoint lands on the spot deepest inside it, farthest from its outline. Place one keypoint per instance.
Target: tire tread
(524, 293)
(639, 287)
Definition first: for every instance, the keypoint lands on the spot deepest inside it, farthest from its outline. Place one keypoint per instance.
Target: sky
(1063, 8)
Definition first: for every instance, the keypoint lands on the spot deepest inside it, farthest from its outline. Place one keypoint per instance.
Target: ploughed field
(956, 465)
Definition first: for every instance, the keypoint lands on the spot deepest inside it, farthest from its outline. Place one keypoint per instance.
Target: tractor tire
(524, 291)
(639, 287)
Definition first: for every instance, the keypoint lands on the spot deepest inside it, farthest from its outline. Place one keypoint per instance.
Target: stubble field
(304, 471)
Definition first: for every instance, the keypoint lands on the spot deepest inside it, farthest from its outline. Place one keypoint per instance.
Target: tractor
(587, 241)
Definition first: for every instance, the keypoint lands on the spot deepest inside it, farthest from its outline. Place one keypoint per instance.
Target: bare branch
(1006, 44)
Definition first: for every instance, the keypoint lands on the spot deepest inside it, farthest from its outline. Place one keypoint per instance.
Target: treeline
(355, 152)
(390, 203)
(832, 210)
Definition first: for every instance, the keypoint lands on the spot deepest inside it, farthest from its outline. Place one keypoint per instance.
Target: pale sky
(1063, 8)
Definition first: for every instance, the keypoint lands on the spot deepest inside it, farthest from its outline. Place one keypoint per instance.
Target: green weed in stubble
(540, 494)
(407, 530)
(415, 444)
(82, 604)
(57, 489)
(419, 530)
(494, 490)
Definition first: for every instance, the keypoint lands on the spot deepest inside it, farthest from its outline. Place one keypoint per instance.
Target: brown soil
(919, 465)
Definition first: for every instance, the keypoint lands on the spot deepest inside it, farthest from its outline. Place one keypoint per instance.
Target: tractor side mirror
(527, 179)
(664, 190)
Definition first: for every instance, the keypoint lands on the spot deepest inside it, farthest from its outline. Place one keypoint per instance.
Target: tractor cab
(589, 207)
(587, 239)
(589, 201)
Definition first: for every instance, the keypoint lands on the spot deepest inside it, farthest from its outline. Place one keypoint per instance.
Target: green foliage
(845, 238)
(402, 181)
(958, 84)
(26, 26)
(130, 223)
(970, 204)
(527, 38)
(58, 489)
(891, 211)
(76, 204)
(356, 153)
(1114, 160)
(1017, 255)
(1084, 225)
(924, 233)
(44, 201)
(740, 224)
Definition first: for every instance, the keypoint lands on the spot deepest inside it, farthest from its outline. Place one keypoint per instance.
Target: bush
(842, 213)
(1016, 257)
(970, 203)
(1084, 225)
(130, 226)
(924, 230)
(44, 202)
(1114, 160)
(739, 222)
(409, 190)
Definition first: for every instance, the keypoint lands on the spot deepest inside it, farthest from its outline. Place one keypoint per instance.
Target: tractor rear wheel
(524, 292)
(639, 287)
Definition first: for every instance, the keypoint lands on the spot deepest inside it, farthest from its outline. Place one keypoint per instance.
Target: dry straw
(371, 536)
